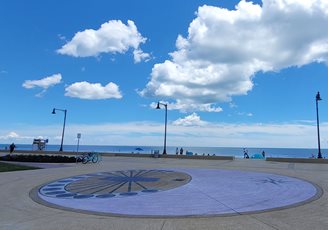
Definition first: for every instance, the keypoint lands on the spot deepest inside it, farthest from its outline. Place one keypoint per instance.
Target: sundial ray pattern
(115, 184)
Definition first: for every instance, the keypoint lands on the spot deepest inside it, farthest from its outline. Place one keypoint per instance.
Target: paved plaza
(149, 193)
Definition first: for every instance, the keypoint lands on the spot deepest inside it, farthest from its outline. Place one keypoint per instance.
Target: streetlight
(158, 107)
(65, 111)
(318, 98)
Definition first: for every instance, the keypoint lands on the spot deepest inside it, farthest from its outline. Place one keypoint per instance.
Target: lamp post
(65, 111)
(158, 107)
(318, 98)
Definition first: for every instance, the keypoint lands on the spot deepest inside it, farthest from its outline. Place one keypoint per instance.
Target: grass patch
(5, 167)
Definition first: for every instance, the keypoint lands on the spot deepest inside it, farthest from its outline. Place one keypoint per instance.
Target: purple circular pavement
(176, 192)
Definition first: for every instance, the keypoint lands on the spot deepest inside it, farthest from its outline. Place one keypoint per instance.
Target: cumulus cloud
(225, 48)
(139, 55)
(43, 83)
(22, 137)
(12, 135)
(112, 37)
(9, 136)
(93, 91)
(191, 120)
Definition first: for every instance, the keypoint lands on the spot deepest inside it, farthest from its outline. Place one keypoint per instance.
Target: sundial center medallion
(116, 183)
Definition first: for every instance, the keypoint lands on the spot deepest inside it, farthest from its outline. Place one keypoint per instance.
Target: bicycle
(89, 157)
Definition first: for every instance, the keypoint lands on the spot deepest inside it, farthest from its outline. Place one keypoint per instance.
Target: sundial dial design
(114, 184)
(180, 192)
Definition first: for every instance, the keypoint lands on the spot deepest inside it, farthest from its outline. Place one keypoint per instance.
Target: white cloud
(139, 55)
(61, 37)
(191, 120)
(13, 136)
(112, 37)
(225, 48)
(93, 91)
(189, 106)
(245, 114)
(43, 83)
(289, 135)
(233, 105)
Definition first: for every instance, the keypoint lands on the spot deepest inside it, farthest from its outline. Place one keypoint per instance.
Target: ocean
(218, 151)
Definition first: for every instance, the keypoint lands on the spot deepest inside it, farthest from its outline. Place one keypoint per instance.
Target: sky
(232, 73)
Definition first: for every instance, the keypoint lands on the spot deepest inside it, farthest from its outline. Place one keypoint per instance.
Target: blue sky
(234, 73)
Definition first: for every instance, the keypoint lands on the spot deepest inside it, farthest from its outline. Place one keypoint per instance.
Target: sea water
(218, 151)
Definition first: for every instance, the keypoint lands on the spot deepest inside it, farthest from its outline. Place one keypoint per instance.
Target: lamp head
(54, 111)
(157, 107)
(318, 98)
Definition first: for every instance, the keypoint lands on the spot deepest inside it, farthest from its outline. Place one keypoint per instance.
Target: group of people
(247, 156)
(177, 151)
(246, 153)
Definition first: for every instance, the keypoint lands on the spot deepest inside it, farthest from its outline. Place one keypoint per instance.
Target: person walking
(12, 147)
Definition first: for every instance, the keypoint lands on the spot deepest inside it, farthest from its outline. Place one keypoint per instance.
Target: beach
(218, 151)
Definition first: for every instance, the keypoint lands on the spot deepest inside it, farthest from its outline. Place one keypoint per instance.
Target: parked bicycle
(89, 157)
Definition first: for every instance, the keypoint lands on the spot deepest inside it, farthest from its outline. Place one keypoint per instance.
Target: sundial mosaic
(115, 184)
(183, 192)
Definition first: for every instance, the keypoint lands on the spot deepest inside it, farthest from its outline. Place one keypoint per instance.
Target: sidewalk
(19, 211)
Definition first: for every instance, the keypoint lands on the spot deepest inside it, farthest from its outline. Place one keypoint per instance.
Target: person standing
(181, 151)
(176, 151)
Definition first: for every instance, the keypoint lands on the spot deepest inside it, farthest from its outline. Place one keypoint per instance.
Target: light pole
(65, 111)
(318, 98)
(158, 107)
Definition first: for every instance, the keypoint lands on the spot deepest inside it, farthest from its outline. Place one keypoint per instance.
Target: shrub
(39, 158)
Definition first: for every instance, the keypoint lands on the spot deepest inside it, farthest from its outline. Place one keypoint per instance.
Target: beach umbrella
(139, 149)
(257, 156)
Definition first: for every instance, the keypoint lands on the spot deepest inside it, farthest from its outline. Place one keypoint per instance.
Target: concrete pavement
(19, 211)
